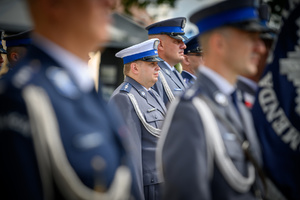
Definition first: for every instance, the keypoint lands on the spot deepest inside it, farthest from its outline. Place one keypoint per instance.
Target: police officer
(209, 149)
(143, 109)
(17, 46)
(171, 49)
(248, 83)
(192, 60)
(59, 140)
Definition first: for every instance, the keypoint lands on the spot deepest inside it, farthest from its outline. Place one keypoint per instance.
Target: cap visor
(267, 36)
(179, 37)
(251, 26)
(152, 59)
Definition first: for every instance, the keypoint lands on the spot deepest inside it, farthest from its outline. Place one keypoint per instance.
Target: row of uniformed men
(152, 108)
(206, 146)
(201, 148)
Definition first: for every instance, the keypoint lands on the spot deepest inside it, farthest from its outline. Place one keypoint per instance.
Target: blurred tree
(275, 5)
(144, 3)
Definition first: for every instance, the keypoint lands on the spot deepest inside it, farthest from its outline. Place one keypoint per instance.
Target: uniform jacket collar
(144, 94)
(166, 70)
(75, 66)
(226, 108)
(188, 77)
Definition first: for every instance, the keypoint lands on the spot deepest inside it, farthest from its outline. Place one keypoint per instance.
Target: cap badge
(155, 44)
(183, 23)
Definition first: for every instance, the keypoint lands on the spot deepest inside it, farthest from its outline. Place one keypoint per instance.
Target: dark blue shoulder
(126, 87)
(191, 92)
(186, 75)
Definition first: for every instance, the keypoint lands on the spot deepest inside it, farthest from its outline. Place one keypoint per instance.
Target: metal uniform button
(152, 181)
(221, 99)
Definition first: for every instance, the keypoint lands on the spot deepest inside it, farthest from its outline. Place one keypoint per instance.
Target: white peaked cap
(145, 51)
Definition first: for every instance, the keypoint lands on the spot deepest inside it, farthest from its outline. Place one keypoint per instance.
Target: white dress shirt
(224, 86)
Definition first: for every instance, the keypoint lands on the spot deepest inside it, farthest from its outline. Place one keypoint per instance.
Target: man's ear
(134, 67)
(217, 42)
(160, 45)
(14, 56)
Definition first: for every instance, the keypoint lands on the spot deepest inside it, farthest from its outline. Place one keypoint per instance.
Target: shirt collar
(74, 65)
(146, 88)
(192, 75)
(170, 67)
(223, 85)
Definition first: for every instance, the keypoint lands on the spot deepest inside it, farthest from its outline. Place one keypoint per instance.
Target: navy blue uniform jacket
(184, 148)
(80, 116)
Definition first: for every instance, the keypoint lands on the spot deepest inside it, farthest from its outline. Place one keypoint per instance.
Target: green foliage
(170, 2)
(143, 3)
(275, 5)
(178, 67)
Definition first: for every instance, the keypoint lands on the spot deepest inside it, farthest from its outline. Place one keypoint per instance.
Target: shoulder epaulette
(65, 86)
(190, 93)
(126, 87)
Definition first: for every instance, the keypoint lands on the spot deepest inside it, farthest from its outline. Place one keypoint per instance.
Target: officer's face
(148, 73)
(1, 59)
(195, 60)
(88, 19)
(173, 50)
(243, 51)
(262, 62)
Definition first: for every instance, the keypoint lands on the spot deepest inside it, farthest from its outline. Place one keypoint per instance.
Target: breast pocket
(154, 118)
(177, 91)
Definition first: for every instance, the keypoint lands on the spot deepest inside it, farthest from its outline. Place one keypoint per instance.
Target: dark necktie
(176, 74)
(179, 77)
(155, 97)
(235, 101)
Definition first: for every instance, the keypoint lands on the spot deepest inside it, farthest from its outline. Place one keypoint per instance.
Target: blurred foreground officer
(248, 84)
(17, 47)
(192, 60)
(58, 138)
(143, 109)
(276, 112)
(209, 149)
(171, 49)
